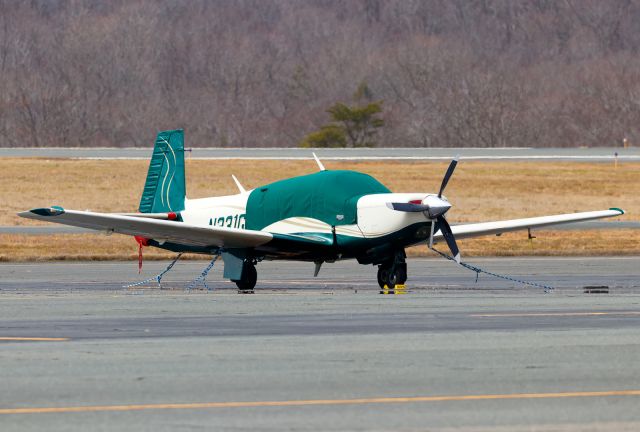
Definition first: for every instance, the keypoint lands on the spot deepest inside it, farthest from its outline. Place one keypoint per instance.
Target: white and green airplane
(322, 217)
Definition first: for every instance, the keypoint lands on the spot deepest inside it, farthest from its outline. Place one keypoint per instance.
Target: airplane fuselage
(377, 225)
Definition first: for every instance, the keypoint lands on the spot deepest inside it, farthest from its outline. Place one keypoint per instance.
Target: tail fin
(165, 188)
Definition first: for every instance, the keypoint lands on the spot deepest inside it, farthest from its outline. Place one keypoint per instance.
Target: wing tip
(618, 209)
(43, 211)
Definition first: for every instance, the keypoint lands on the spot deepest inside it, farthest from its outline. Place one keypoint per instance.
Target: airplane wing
(157, 229)
(499, 227)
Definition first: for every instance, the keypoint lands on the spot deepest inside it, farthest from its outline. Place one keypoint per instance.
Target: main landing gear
(249, 277)
(393, 272)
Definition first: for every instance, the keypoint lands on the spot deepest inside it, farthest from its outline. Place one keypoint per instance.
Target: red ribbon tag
(141, 242)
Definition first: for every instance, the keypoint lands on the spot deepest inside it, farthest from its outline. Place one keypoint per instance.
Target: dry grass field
(479, 191)
(98, 247)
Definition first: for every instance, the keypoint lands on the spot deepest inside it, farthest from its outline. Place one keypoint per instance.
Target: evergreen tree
(359, 123)
(351, 126)
(328, 136)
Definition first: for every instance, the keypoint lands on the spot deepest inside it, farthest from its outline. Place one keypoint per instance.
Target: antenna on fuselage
(322, 168)
(242, 190)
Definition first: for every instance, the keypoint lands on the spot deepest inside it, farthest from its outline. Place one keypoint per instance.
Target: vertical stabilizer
(165, 188)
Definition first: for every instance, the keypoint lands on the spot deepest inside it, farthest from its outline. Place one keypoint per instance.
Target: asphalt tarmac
(78, 351)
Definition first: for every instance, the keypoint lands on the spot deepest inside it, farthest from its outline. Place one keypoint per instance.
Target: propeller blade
(408, 207)
(433, 228)
(448, 236)
(447, 176)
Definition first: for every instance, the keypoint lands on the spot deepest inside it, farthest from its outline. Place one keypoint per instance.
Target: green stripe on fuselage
(366, 249)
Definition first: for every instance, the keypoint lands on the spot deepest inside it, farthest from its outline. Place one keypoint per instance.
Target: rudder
(165, 188)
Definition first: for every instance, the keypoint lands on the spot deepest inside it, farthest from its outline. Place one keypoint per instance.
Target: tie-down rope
(193, 284)
(157, 278)
(478, 270)
(203, 276)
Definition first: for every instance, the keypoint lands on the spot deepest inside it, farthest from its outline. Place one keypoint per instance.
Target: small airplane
(321, 217)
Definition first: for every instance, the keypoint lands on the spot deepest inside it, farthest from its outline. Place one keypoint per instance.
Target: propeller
(447, 175)
(434, 207)
(439, 212)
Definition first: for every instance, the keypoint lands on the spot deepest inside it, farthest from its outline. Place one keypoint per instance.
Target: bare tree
(262, 73)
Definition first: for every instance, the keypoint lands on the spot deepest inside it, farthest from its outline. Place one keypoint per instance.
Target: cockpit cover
(329, 196)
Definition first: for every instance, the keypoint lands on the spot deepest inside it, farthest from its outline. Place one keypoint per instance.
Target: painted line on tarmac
(318, 402)
(33, 339)
(554, 314)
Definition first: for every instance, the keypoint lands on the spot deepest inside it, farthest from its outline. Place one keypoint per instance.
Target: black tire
(401, 273)
(383, 276)
(249, 277)
(391, 278)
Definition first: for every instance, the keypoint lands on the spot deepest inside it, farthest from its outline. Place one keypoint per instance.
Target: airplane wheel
(394, 277)
(249, 277)
(398, 276)
(383, 276)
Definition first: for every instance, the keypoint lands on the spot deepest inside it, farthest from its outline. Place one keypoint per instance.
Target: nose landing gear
(393, 272)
